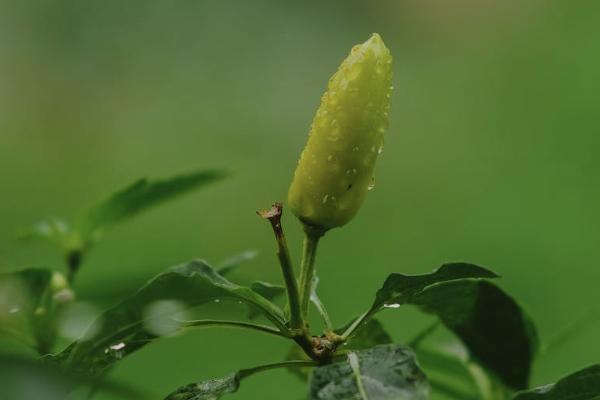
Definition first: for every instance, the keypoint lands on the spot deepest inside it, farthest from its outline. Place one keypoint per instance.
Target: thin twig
(285, 364)
(357, 322)
(274, 217)
(232, 324)
(574, 328)
(416, 341)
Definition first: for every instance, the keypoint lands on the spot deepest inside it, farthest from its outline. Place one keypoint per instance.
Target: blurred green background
(491, 156)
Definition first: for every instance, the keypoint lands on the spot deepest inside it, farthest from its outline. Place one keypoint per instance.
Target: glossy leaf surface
(399, 289)
(387, 372)
(493, 327)
(582, 385)
(149, 314)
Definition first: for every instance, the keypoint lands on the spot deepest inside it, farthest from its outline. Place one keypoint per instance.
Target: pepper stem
(312, 235)
(274, 217)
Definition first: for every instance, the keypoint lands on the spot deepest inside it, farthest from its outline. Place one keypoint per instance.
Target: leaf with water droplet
(496, 331)
(386, 372)
(214, 389)
(190, 285)
(400, 288)
(165, 317)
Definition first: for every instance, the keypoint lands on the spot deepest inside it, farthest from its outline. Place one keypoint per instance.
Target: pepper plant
(496, 341)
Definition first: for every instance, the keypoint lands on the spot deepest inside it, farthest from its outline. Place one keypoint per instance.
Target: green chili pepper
(335, 170)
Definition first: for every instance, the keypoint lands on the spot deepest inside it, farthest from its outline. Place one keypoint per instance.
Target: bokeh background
(491, 156)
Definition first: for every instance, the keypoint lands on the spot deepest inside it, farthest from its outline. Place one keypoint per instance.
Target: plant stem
(274, 217)
(322, 310)
(416, 341)
(307, 267)
(572, 329)
(73, 259)
(355, 366)
(285, 364)
(352, 328)
(244, 373)
(291, 284)
(233, 324)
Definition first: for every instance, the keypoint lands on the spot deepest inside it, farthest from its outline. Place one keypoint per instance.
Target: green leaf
(387, 372)
(316, 301)
(267, 290)
(28, 314)
(26, 379)
(296, 353)
(29, 287)
(493, 327)
(141, 196)
(447, 374)
(54, 230)
(231, 264)
(451, 373)
(150, 313)
(399, 289)
(582, 385)
(59, 233)
(214, 389)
